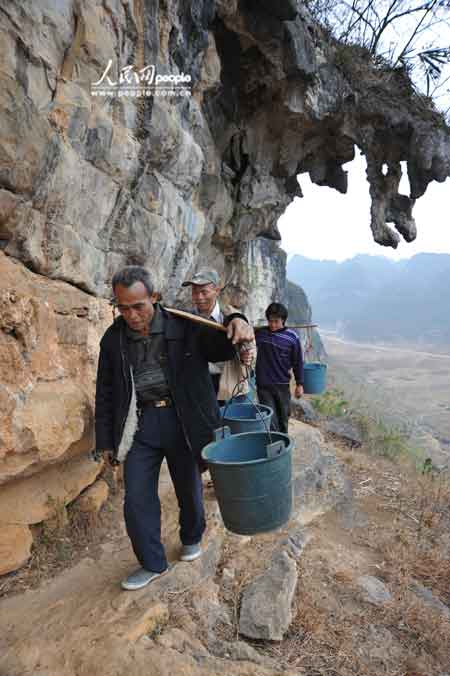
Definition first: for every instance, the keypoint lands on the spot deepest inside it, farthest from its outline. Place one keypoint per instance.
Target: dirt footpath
(360, 607)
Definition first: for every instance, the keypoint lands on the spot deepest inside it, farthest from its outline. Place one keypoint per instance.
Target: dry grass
(420, 550)
(405, 541)
(336, 632)
(411, 548)
(61, 542)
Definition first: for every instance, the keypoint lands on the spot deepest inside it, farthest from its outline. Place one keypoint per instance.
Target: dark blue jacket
(189, 349)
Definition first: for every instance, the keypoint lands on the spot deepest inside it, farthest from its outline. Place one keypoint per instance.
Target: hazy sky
(326, 224)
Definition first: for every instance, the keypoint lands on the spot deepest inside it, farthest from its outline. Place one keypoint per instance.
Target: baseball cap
(203, 276)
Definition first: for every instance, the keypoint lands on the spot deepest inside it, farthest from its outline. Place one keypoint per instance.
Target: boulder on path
(302, 409)
(266, 611)
(319, 480)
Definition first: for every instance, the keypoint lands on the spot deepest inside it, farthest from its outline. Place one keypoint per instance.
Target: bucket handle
(222, 433)
(274, 449)
(235, 392)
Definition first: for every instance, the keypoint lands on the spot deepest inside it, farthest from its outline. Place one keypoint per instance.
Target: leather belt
(158, 403)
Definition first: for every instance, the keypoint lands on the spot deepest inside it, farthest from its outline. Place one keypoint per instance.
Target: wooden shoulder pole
(197, 319)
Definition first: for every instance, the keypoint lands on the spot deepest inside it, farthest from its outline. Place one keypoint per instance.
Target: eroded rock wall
(88, 184)
(49, 334)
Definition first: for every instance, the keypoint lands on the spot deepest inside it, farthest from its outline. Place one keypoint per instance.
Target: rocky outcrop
(89, 183)
(49, 333)
(319, 480)
(94, 497)
(298, 305)
(300, 313)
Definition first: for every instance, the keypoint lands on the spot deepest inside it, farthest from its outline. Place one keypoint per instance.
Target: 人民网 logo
(138, 82)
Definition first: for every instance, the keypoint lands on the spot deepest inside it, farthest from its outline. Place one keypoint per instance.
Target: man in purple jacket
(279, 352)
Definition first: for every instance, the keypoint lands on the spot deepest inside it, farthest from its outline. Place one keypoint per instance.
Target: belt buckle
(162, 403)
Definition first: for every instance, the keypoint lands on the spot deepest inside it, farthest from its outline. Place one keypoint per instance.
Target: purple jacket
(278, 353)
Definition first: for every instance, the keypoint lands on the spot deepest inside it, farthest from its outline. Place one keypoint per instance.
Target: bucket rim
(266, 413)
(235, 463)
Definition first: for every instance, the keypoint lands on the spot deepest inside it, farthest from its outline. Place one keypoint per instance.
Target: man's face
(275, 323)
(135, 306)
(204, 297)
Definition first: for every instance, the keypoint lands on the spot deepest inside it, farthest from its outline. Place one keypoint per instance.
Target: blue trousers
(160, 436)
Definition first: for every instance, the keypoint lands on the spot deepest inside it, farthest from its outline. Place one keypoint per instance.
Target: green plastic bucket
(252, 477)
(243, 417)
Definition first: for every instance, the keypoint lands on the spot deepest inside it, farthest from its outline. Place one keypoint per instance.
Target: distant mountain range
(376, 299)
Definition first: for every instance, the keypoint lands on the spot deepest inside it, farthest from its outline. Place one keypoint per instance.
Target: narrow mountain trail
(353, 611)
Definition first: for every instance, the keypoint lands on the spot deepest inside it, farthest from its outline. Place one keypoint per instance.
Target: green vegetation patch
(331, 404)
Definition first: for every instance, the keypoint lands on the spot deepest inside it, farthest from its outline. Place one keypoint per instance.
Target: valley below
(406, 388)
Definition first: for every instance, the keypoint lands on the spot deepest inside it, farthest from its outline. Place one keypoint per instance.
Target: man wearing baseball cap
(227, 377)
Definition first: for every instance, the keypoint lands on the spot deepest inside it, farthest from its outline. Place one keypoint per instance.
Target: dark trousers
(278, 397)
(215, 377)
(160, 436)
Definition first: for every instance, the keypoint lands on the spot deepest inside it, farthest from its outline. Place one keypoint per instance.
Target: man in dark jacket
(155, 399)
(279, 354)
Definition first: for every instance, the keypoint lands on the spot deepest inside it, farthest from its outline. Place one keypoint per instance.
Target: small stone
(319, 479)
(376, 592)
(181, 641)
(296, 541)
(208, 608)
(236, 651)
(430, 599)
(228, 574)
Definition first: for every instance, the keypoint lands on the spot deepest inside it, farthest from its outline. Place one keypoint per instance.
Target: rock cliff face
(49, 333)
(90, 183)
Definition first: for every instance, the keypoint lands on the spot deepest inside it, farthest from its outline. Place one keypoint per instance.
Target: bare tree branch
(401, 31)
(432, 5)
(360, 14)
